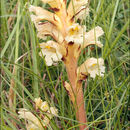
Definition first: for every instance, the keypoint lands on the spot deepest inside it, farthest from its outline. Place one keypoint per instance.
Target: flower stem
(76, 86)
(80, 114)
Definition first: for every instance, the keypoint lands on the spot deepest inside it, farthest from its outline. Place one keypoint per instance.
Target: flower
(35, 123)
(52, 3)
(78, 35)
(38, 102)
(93, 67)
(84, 11)
(51, 52)
(93, 35)
(53, 111)
(44, 106)
(50, 114)
(75, 34)
(77, 8)
(32, 126)
(42, 14)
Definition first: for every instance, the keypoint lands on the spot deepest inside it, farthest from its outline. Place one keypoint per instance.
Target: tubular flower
(75, 34)
(78, 35)
(33, 122)
(51, 52)
(53, 111)
(38, 102)
(48, 29)
(31, 126)
(83, 13)
(42, 14)
(52, 3)
(44, 106)
(78, 8)
(91, 37)
(93, 67)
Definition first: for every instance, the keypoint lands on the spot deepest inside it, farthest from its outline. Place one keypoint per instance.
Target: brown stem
(11, 93)
(80, 114)
(71, 67)
(11, 97)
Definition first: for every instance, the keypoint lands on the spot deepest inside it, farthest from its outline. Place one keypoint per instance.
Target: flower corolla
(51, 52)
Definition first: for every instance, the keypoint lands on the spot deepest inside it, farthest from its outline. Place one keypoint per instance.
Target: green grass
(106, 99)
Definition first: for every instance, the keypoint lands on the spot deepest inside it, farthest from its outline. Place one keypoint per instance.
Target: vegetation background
(24, 72)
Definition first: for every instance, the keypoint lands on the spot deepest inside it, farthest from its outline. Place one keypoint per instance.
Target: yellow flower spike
(71, 32)
(76, 28)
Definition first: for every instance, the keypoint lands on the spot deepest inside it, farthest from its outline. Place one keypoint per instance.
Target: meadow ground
(106, 99)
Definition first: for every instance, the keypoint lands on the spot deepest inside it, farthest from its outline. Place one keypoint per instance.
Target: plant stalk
(76, 86)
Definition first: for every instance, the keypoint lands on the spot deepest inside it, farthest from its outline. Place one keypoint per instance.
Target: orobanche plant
(43, 110)
(69, 39)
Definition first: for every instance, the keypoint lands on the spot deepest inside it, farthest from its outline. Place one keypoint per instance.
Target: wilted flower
(51, 52)
(93, 67)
